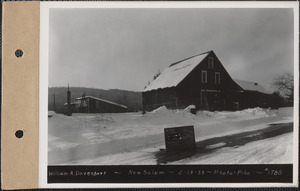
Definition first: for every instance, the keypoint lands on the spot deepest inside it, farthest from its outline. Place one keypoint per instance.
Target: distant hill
(133, 100)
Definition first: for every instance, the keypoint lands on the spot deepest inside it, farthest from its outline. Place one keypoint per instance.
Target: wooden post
(69, 112)
(54, 109)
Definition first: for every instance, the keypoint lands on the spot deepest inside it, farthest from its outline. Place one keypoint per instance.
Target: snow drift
(133, 138)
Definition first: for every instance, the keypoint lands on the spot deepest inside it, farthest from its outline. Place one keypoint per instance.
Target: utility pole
(54, 109)
(69, 112)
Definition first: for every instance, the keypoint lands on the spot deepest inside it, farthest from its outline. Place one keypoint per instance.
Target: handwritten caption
(267, 172)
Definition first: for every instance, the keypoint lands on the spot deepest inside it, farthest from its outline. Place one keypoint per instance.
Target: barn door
(203, 100)
(216, 102)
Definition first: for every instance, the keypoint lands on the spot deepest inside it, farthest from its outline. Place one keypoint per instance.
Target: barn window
(217, 78)
(204, 76)
(210, 63)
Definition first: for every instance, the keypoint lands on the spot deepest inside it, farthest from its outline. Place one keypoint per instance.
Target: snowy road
(235, 140)
(136, 139)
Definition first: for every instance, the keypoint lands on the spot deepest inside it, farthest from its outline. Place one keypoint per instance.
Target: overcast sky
(124, 48)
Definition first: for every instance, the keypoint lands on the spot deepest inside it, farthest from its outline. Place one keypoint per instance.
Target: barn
(91, 104)
(200, 80)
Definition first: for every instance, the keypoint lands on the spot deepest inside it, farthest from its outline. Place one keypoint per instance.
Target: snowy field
(136, 139)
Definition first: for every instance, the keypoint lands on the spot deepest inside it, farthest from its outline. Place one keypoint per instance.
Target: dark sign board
(180, 138)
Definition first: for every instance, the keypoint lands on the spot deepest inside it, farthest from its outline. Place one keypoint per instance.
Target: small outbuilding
(91, 104)
(253, 95)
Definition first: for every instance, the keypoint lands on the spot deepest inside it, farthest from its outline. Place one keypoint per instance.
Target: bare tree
(284, 85)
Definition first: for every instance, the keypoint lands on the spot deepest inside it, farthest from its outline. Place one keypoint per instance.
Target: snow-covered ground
(135, 139)
(271, 151)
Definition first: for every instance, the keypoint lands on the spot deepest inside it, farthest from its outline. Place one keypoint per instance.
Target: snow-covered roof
(251, 86)
(176, 72)
(103, 100)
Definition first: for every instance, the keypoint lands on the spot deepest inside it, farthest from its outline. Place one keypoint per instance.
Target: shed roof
(251, 86)
(103, 100)
(176, 72)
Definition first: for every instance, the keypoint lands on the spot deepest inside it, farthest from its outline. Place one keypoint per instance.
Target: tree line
(131, 99)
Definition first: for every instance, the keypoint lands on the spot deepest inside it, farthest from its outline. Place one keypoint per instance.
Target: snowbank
(161, 110)
(259, 112)
(51, 113)
(190, 109)
(251, 113)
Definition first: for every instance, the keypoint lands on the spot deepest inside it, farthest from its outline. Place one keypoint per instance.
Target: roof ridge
(190, 58)
(104, 100)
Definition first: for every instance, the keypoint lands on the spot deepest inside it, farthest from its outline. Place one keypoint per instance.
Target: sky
(124, 48)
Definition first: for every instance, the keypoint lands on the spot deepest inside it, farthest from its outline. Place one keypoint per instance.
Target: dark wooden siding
(193, 80)
(251, 99)
(161, 97)
(209, 95)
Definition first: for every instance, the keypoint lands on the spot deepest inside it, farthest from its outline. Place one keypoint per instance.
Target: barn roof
(103, 100)
(176, 72)
(251, 86)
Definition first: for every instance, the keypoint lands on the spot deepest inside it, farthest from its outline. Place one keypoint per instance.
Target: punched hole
(19, 53)
(19, 134)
